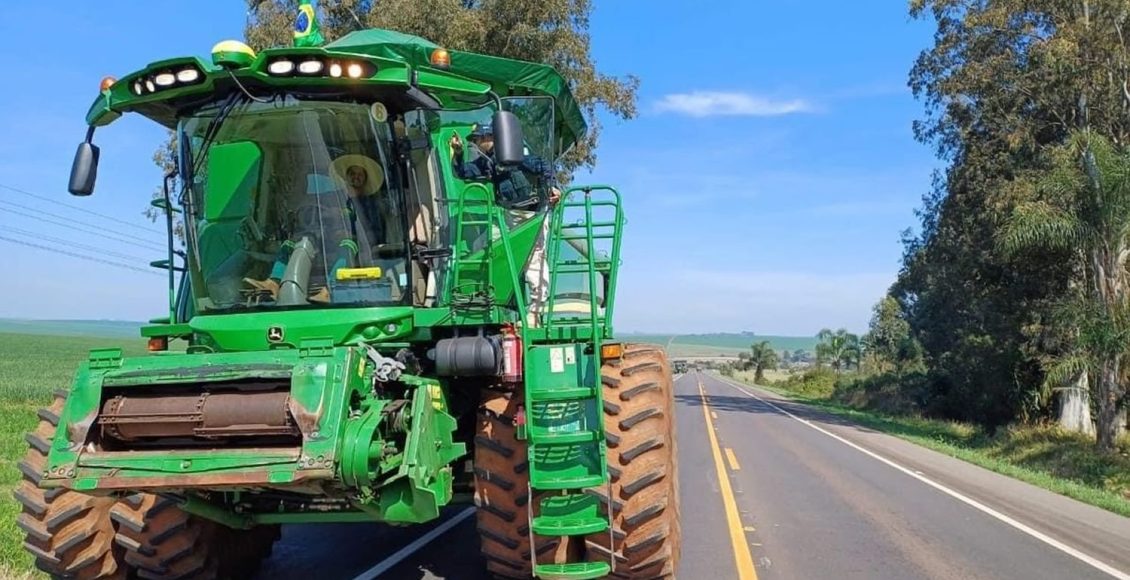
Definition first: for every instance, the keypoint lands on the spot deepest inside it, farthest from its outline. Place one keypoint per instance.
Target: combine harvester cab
(365, 329)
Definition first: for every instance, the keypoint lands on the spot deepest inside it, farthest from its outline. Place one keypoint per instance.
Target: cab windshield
(293, 202)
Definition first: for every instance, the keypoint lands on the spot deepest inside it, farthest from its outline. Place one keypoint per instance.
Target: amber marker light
(441, 58)
(106, 83)
(610, 351)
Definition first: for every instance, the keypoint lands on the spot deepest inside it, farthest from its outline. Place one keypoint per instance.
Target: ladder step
(598, 263)
(549, 482)
(578, 571)
(566, 438)
(570, 515)
(584, 237)
(561, 394)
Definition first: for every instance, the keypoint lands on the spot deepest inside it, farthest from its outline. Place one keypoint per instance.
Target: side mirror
(509, 143)
(84, 170)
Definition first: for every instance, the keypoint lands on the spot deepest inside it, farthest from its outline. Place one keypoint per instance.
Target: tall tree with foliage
(839, 348)
(885, 341)
(762, 358)
(1087, 213)
(998, 89)
(1005, 83)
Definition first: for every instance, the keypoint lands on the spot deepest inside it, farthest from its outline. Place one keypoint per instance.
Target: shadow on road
(453, 555)
(342, 551)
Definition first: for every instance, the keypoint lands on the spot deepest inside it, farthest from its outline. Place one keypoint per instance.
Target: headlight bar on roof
(172, 77)
(307, 66)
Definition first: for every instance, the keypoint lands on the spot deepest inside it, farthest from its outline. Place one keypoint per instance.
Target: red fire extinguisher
(511, 355)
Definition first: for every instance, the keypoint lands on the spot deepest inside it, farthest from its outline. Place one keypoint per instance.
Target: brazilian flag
(306, 31)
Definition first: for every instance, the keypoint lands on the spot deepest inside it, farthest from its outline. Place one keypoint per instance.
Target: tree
(997, 86)
(1005, 84)
(838, 348)
(762, 357)
(887, 334)
(1087, 213)
(744, 362)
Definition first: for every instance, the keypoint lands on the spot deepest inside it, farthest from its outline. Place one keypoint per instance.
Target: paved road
(802, 495)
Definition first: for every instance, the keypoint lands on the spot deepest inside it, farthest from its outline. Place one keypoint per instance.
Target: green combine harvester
(360, 330)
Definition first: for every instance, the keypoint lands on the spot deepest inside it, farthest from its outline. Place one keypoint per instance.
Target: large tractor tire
(69, 533)
(639, 423)
(502, 475)
(162, 542)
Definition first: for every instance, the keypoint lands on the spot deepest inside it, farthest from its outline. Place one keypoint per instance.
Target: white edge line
(1082, 557)
(418, 543)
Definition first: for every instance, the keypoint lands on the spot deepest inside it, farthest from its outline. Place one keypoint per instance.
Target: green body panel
(248, 331)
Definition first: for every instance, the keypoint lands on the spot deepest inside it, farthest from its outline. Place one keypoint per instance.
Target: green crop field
(32, 366)
(729, 344)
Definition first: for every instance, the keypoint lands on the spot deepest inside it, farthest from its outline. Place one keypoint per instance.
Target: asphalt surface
(806, 496)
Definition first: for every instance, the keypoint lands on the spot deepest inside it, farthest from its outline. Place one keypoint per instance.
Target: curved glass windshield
(293, 203)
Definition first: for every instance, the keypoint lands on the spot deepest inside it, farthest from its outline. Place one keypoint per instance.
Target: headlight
(137, 88)
(310, 67)
(149, 86)
(188, 75)
(165, 79)
(335, 70)
(281, 67)
(354, 70)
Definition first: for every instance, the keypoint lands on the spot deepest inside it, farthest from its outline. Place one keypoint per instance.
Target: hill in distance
(720, 344)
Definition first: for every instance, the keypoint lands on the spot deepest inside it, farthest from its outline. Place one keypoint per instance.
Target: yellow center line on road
(733, 460)
(742, 557)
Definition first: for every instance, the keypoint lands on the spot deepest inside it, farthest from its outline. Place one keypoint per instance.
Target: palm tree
(839, 348)
(1087, 214)
(763, 357)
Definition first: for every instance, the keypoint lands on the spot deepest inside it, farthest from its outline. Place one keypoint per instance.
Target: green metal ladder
(471, 275)
(564, 407)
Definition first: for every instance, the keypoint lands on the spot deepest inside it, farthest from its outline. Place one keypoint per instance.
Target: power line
(72, 244)
(72, 220)
(145, 243)
(76, 208)
(80, 256)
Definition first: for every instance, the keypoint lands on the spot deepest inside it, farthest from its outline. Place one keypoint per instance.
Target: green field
(722, 344)
(32, 366)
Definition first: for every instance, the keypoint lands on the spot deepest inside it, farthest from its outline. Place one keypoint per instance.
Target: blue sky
(766, 178)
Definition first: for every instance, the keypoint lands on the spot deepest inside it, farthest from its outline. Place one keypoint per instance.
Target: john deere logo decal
(275, 334)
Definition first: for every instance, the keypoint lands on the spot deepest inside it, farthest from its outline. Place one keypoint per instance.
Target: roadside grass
(1042, 455)
(32, 367)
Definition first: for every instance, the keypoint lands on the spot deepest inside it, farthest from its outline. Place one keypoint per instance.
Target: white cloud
(723, 103)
